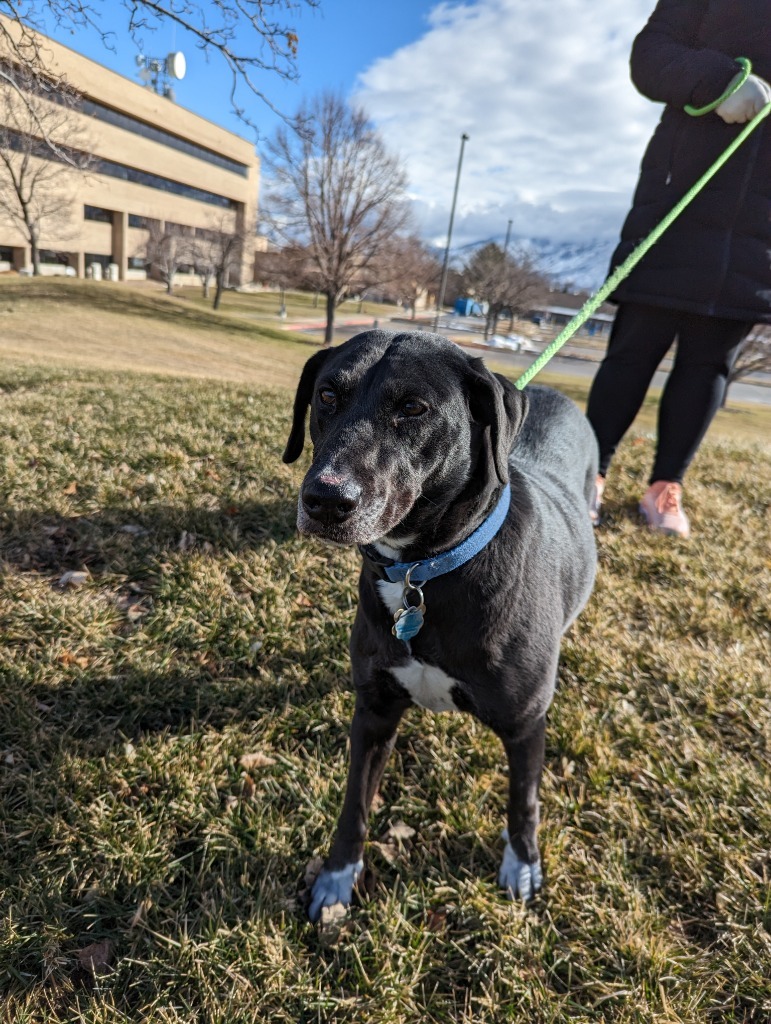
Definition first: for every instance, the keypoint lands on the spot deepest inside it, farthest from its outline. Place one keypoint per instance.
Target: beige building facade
(151, 162)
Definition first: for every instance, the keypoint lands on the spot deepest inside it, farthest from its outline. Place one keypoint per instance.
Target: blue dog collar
(412, 575)
(430, 568)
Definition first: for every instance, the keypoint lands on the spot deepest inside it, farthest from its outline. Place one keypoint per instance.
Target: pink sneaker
(595, 504)
(661, 506)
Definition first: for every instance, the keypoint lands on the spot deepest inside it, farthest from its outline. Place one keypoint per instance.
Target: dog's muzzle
(330, 504)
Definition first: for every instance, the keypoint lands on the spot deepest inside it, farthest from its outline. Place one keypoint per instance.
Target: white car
(511, 342)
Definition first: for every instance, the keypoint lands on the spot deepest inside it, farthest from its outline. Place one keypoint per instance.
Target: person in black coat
(707, 281)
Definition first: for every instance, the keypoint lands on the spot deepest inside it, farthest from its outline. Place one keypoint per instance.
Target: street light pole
(508, 238)
(445, 267)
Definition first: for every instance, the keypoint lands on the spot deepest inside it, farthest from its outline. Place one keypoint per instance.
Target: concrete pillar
(80, 263)
(22, 257)
(244, 263)
(120, 242)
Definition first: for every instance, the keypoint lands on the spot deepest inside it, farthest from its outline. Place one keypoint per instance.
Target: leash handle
(625, 268)
(746, 66)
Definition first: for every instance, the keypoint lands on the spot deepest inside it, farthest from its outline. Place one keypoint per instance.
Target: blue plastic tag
(409, 624)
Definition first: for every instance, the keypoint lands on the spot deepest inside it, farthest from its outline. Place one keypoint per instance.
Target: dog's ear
(302, 400)
(496, 403)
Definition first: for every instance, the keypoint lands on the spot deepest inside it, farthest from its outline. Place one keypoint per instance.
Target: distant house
(559, 315)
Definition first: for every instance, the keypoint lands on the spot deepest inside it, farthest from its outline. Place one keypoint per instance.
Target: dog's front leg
(520, 872)
(373, 734)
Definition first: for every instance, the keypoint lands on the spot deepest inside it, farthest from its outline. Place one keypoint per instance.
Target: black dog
(446, 475)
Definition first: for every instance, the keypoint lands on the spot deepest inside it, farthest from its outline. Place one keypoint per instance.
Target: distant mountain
(584, 265)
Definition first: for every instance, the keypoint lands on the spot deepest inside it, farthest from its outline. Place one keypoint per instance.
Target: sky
(556, 129)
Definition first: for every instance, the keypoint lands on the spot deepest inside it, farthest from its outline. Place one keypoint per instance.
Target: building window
(97, 213)
(132, 174)
(6, 254)
(137, 263)
(148, 131)
(135, 221)
(179, 229)
(95, 257)
(53, 256)
(177, 188)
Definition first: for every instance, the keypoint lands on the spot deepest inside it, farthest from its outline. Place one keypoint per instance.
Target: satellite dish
(176, 65)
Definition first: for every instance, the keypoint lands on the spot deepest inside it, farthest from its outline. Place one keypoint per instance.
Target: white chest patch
(427, 685)
(392, 595)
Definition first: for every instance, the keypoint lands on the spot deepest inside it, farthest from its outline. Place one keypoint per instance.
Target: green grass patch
(147, 873)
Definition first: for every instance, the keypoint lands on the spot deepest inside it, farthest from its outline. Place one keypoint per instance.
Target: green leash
(637, 254)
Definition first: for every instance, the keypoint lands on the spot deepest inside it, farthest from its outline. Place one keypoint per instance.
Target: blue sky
(556, 128)
(337, 40)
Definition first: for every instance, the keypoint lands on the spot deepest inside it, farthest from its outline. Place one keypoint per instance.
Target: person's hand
(746, 102)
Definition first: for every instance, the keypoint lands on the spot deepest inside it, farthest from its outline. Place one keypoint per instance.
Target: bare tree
(506, 283)
(251, 37)
(43, 149)
(337, 192)
(167, 249)
(411, 269)
(754, 357)
(217, 252)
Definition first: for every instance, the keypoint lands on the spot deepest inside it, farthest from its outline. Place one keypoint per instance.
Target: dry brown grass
(104, 326)
(147, 874)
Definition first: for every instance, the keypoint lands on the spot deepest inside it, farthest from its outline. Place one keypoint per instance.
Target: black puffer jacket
(716, 258)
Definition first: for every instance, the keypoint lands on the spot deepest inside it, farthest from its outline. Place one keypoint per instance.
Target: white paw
(520, 879)
(333, 887)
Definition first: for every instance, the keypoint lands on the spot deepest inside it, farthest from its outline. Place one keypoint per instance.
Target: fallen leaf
(312, 871)
(71, 488)
(68, 658)
(303, 601)
(256, 760)
(437, 919)
(97, 957)
(72, 579)
(135, 612)
(386, 850)
(399, 831)
(248, 787)
(186, 541)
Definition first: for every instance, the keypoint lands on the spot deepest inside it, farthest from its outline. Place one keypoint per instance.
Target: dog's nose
(330, 503)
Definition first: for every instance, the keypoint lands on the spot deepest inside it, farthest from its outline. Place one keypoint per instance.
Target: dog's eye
(413, 407)
(328, 397)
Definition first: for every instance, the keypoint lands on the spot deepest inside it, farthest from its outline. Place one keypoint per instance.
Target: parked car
(512, 342)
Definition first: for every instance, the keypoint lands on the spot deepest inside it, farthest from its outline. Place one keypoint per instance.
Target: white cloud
(556, 128)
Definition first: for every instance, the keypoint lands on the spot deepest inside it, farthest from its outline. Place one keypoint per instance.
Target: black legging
(641, 336)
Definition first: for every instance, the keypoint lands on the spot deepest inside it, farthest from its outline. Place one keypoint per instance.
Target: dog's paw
(333, 887)
(520, 879)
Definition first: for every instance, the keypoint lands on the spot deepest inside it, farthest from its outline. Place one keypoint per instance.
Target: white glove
(746, 102)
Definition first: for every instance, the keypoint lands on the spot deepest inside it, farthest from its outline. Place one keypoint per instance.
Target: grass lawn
(173, 723)
(301, 306)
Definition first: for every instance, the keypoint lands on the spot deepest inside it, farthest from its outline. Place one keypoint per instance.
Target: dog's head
(403, 426)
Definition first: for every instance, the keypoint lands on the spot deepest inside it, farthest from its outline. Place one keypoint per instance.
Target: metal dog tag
(408, 622)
